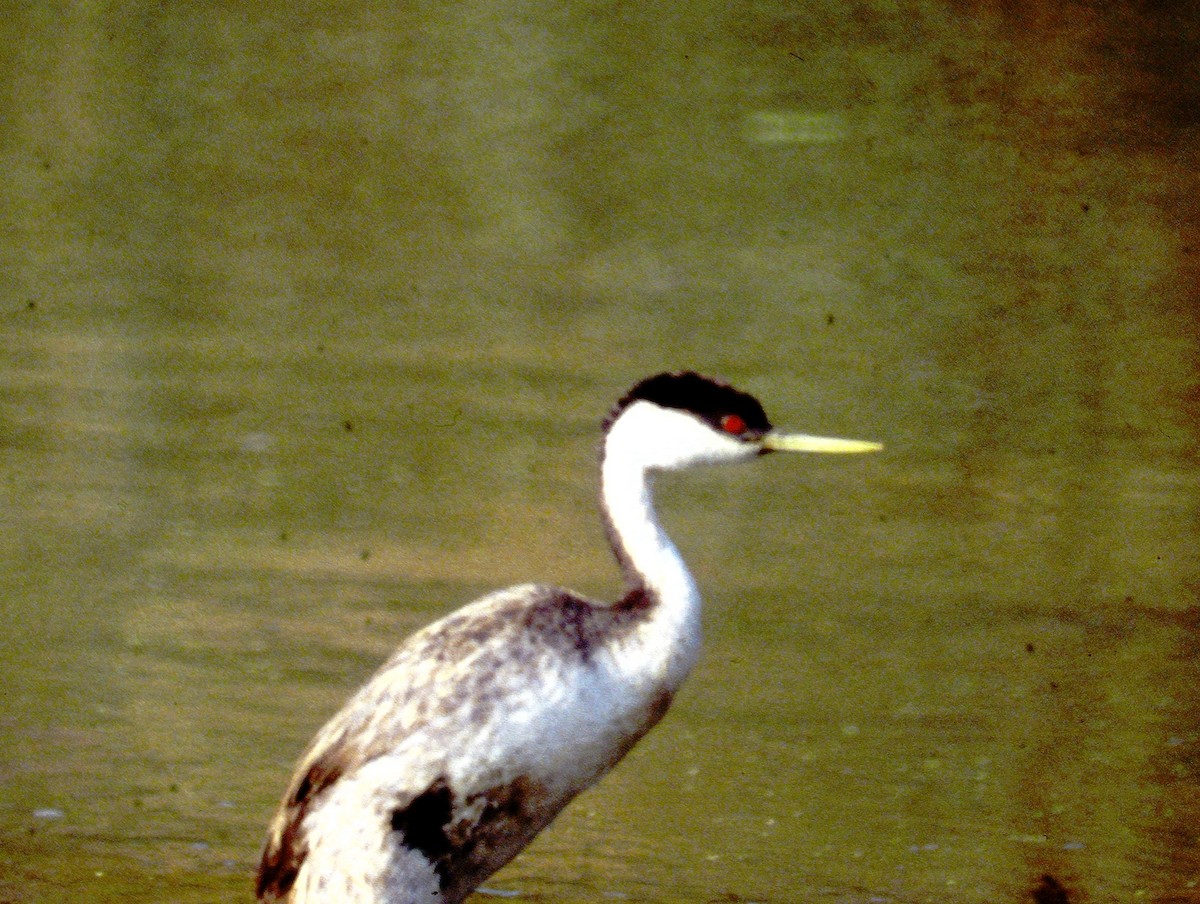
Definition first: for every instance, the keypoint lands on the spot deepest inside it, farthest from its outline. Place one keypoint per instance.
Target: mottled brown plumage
(443, 681)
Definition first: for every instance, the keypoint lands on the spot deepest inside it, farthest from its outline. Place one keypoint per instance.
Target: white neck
(649, 560)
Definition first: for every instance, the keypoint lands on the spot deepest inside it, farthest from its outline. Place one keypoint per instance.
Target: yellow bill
(802, 442)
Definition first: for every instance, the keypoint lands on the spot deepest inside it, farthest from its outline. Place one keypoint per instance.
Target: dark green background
(308, 316)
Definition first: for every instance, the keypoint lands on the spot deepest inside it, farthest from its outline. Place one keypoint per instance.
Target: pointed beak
(802, 442)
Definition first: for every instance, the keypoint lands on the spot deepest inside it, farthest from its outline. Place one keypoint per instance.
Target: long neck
(655, 574)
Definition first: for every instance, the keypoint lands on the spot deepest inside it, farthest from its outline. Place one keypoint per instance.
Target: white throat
(646, 438)
(648, 557)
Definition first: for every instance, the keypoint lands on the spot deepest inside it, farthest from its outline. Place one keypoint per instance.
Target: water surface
(310, 314)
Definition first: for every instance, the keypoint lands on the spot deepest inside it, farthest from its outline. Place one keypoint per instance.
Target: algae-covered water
(309, 313)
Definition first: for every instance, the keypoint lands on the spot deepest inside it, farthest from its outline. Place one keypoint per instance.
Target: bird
(482, 726)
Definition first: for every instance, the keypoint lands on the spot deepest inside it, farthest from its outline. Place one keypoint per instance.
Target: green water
(309, 313)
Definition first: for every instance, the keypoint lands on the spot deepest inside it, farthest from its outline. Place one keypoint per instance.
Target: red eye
(731, 423)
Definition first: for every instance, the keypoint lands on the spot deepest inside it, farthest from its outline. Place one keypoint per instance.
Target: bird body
(467, 742)
(482, 726)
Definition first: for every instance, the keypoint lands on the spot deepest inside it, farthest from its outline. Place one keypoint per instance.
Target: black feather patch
(424, 822)
(705, 397)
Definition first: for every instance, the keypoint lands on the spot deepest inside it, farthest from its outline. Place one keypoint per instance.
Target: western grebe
(481, 727)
